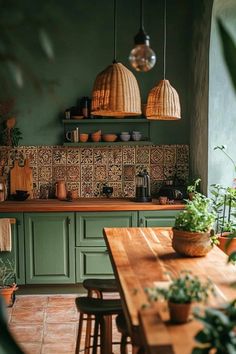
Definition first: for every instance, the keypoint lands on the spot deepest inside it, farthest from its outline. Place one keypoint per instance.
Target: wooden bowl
(109, 137)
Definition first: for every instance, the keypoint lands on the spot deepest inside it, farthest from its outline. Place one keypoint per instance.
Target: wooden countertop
(47, 205)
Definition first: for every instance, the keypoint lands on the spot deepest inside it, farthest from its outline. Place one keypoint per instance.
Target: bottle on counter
(85, 106)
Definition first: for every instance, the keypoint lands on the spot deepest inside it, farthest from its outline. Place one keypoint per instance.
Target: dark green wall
(81, 32)
(199, 85)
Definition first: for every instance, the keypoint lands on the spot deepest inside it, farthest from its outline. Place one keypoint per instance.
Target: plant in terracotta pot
(224, 205)
(192, 188)
(181, 293)
(219, 332)
(7, 281)
(192, 235)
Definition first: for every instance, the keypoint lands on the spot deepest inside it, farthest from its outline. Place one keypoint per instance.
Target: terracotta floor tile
(54, 333)
(31, 301)
(27, 315)
(31, 348)
(61, 314)
(56, 348)
(27, 332)
(62, 301)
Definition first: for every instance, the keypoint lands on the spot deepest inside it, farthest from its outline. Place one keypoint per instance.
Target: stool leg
(105, 335)
(78, 341)
(95, 335)
(88, 329)
(123, 344)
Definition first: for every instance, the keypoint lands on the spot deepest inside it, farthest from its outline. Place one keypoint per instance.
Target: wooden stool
(102, 310)
(94, 287)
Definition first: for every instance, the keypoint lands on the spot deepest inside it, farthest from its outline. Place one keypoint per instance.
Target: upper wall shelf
(108, 125)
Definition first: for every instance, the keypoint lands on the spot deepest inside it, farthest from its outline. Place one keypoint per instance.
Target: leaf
(16, 73)
(198, 350)
(229, 51)
(46, 44)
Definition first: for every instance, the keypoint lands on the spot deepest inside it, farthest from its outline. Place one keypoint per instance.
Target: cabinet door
(49, 248)
(17, 255)
(157, 218)
(89, 226)
(92, 262)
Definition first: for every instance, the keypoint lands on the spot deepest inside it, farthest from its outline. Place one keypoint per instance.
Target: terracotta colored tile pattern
(88, 169)
(44, 324)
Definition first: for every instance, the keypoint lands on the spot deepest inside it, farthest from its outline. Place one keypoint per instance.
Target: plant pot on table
(179, 313)
(7, 292)
(225, 245)
(191, 244)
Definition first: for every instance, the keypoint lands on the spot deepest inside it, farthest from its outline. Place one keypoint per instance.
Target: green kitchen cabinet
(49, 248)
(89, 225)
(17, 255)
(157, 218)
(92, 262)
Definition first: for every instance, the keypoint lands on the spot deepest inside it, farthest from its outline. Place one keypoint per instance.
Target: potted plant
(7, 281)
(192, 235)
(224, 205)
(181, 293)
(192, 188)
(219, 332)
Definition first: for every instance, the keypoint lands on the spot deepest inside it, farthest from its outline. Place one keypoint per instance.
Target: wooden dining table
(144, 257)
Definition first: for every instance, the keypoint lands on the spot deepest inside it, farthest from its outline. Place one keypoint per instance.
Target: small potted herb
(192, 188)
(219, 332)
(224, 205)
(181, 293)
(7, 281)
(192, 234)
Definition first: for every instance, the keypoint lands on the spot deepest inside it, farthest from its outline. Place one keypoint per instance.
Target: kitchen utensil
(143, 193)
(73, 135)
(21, 178)
(125, 137)
(61, 192)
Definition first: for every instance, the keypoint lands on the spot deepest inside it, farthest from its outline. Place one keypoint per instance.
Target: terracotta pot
(7, 294)
(179, 313)
(61, 192)
(223, 240)
(192, 244)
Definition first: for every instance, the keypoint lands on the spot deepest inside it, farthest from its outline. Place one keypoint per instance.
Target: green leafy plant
(197, 216)
(7, 272)
(223, 148)
(186, 288)
(192, 188)
(219, 333)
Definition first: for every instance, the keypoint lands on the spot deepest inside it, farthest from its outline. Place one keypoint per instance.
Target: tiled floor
(47, 324)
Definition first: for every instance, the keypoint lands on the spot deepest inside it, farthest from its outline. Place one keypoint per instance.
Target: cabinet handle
(106, 251)
(141, 222)
(68, 221)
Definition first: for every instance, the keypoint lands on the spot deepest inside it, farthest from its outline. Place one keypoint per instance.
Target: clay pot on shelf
(192, 244)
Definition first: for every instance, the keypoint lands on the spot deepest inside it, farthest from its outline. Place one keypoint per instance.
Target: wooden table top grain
(142, 256)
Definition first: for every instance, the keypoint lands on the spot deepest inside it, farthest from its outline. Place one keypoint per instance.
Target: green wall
(222, 99)
(199, 90)
(82, 35)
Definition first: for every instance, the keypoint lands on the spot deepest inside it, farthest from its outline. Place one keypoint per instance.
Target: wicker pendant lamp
(163, 100)
(115, 91)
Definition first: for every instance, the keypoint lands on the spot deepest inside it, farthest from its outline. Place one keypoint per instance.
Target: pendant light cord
(115, 33)
(141, 14)
(164, 48)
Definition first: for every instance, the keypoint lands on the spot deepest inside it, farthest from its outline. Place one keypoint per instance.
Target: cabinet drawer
(89, 226)
(157, 218)
(92, 262)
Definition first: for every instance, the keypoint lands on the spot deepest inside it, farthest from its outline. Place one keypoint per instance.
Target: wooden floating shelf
(104, 143)
(105, 120)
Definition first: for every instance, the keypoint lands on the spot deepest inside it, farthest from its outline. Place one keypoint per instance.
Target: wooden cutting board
(21, 177)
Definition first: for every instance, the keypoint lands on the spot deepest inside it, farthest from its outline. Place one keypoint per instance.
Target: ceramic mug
(73, 135)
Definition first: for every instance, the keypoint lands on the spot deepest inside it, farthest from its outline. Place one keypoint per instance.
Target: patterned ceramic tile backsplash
(88, 169)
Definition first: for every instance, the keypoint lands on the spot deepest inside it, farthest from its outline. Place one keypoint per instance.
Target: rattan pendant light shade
(163, 102)
(116, 93)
